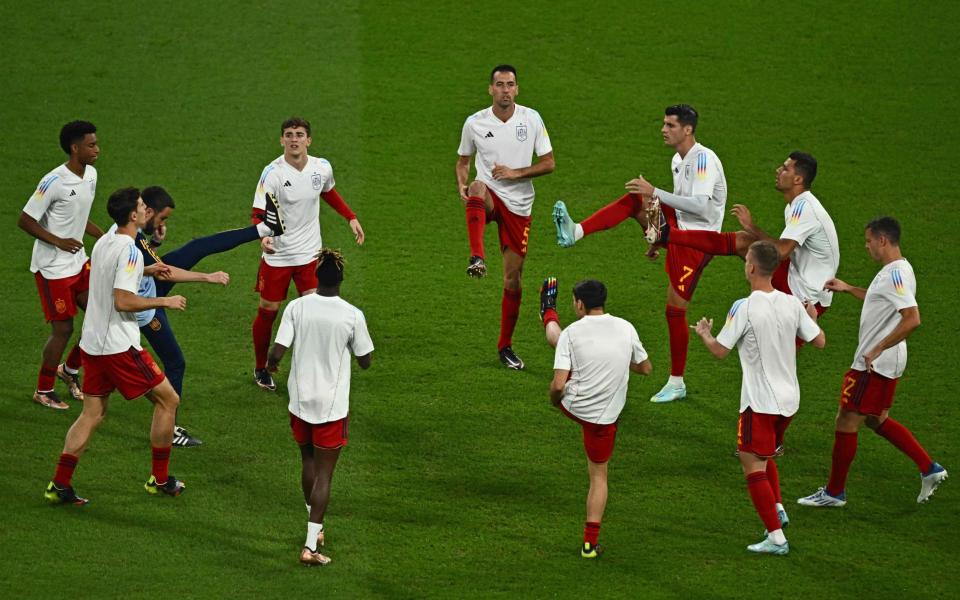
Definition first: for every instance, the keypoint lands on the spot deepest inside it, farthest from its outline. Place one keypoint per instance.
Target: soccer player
(324, 330)
(889, 316)
(698, 201)
(763, 326)
(297, 181)
(111, 353)
(594, 357)
(58, 214)
(504, 138)
(809, 249)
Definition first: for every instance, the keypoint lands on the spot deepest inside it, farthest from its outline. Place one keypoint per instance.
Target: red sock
(65, 467)
(509, 311)
(844, 450)
(550, 315)
(262, 328)
(679, 339)
(591, 532)
(762, 496)
(711, 242)
(476, 219)
(73, 359)
(161, 463)
(47, 376)
(900, 436)
(612, 214)
(773, 476)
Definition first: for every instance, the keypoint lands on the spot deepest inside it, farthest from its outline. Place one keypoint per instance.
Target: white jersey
(61, 205)
(511, 144)
(597, 350)
(298, 193)
(324, 332)
(700, 173)
(817, 256)
(892, 290)
(764, 327)
(115, 263)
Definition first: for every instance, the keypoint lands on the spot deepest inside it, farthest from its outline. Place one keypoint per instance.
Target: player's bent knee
(269, 305)
(477, 188)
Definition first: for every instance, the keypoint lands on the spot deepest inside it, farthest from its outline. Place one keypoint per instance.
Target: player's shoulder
(702, 153)
(54, 176)
(272, 166)
(737, 306)
(479, 115)
(529, 113)
(320, 163)
(89, 173)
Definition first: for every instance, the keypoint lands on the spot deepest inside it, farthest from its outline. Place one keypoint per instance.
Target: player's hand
(69, 245)
(463, 193)
(176, 302)
(742, 213)
(266, 244)
(219, 277)
(653, 252)
(837, 285)
(639, 186)
(272, 367)
(504, 173)
(871, 355)
(357, 231)
(811, 307)
(704, 326)
(160, 234)
(158, 270)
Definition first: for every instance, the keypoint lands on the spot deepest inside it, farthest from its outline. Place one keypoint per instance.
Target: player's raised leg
(709, 242)
(608, 217)
(510, 308)
(477, 205)
(548, 310)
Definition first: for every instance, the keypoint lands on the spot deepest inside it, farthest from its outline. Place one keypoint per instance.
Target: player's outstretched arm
(560, 377)
(127, 301)
(703, 328)
(839, 285)
(276, 354)
(178, 275)
(31, 226)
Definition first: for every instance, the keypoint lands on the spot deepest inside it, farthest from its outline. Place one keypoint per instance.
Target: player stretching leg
(504, 138)
(324, 331)
(698, 201)
(763, 326)
(594, 357)
(57, 215)
(889, 316)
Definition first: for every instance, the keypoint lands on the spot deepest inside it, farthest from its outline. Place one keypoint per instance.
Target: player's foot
(72, 380)
(183, 439)
(931, 481)
(669, 393)
(58, 495)
(50, 400)
(548, 296)
(509, 358)
(477, 267)
(271, 215)
(768, 547)
(655, 222)
(566, 228)
(312, 558)
(822, 498)
(263, 378)
(172, 487)
(589, 550)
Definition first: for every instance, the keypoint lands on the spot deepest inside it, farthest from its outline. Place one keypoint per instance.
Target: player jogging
(324, 330)
(764, 326)
(594, 357)
(698, 201)
(889, 316)
(111, 353)
(504, 138)
(297, 181)
(57, 214)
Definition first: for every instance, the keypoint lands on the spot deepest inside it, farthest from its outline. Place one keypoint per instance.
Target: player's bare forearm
(643, 368)
(544, 166)
(126, 301)
(909, 321)
(820, 341)
(275, 356)
(463, 174)
(716, 348)
(560, 377)
(93, 230)
(31, 226)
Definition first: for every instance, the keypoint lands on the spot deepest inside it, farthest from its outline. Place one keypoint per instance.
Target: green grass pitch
(460, 480)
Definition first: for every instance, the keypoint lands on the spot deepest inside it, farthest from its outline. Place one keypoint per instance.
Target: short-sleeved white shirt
(700, 173)
(511, 144)
(597, 350)
(115, 263)
(298, 193)
(892, 290)
(764, 327)
(324, 332)
(817, 256)
(61, 205)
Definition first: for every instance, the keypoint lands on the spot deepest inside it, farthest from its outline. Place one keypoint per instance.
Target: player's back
(105, 329)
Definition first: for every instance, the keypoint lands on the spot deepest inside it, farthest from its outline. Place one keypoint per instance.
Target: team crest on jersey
(686, 172)
(60, 305)
(521, 133)
(317, 181)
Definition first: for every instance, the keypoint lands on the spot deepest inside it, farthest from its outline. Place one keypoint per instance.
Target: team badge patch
(317, 181)
(686, 172)
(60, 305)
(521, 133)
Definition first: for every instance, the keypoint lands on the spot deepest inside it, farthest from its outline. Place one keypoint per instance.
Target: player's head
(588, 295)
(679, 123)
(159, 207)
(503, 85)
(762, 259)
(797, 172)
(125, 206)
(329, 268)
(295, 137)
(882, 235)
(80, 138)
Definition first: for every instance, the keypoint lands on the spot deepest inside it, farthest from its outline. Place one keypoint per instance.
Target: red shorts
(58, 297)
(133, 373)
(272, 282)
(683, 265)
(514, 230)
(598, 440)
(867, 393)
(761, 434)
(329, 436)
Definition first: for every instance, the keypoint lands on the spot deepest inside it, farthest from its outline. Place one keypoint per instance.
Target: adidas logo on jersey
(489, 134)
(287, 183)
(73, 192)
